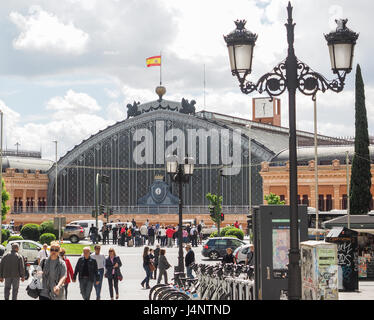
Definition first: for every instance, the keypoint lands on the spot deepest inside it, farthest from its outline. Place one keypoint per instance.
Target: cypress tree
(360, 195)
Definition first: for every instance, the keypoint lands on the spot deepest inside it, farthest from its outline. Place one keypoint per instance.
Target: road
(133, 273)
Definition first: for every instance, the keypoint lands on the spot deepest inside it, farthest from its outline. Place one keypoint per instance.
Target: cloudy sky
(69, 67)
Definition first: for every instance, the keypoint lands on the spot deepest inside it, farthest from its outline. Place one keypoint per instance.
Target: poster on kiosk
(319, 270)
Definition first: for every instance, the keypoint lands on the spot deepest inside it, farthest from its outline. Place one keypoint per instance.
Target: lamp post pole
(179, 178)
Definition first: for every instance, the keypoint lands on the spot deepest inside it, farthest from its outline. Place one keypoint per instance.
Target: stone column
(36, 200)
(24, 199)
(337, 204)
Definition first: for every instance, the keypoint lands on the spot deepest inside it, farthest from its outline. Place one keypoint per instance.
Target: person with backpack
(193, 235)
(105, 232)
(54, 274)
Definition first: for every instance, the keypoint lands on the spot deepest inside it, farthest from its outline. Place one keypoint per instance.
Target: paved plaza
(133, 273)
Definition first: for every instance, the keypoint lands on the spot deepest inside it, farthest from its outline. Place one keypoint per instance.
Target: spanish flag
(153, 61)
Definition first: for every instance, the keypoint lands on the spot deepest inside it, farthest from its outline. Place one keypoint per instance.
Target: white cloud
(73, 102)
(43, 31)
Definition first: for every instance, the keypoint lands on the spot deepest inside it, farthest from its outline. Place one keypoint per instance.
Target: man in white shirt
(100, 259)
(193, 234)
(144, 232)
(43, 254)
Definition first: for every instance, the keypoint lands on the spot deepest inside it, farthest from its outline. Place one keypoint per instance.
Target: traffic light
(249, 221)
(101, 209)
(212, 211)
(222, 216)
(93, 214)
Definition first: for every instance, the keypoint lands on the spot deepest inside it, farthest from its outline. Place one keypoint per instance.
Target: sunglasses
(55, 250)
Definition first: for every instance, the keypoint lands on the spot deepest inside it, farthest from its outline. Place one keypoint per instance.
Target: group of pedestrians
(55, 272)
(155, 260)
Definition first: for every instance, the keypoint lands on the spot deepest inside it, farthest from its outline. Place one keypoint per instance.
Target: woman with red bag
(69, 271)
(113, 273)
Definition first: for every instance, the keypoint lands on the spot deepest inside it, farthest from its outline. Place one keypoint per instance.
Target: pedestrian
(113, 273)
(12, 269)
(144, 233)
(105, 232)
(169, 234)
(236, 224)
(189, 260)
(228, 257)
(147, 223)
(92, 233)
(162, 233)
(133, 223)
(147, 268)
(54, 274)
(163, 265)
(69, 271)
(123, 235)
(20, 227)
(115, 234)
(86, 268)
(156, 254)
(193, 235)
(199, 234)
(175, 235)
(129, 236)
(185, 235)
(100, 260)
(250, 256)
(43, 253)
(151, 235)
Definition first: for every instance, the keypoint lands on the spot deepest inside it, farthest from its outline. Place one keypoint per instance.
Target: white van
(27, 248)
(86, 225)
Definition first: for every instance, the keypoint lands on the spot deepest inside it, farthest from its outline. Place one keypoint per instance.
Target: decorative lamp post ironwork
(291, 74)
(180, 172)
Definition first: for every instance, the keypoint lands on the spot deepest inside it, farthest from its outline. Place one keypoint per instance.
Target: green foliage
(48, 227)
(225, 230)
(12, 238)
(359, 194)
(232, 236)
(235, 232)
(31, 231)
(214, 234)
(217, 203)
(5, 234)
(273, 199)
(5, 198)
(47, 238)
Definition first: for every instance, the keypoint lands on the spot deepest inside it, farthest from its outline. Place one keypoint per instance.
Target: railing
(135, 210)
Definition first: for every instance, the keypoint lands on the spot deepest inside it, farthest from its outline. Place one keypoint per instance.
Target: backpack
(129, 233)
(195, 232)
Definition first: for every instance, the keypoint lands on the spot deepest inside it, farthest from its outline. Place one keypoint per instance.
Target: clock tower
(266, 111)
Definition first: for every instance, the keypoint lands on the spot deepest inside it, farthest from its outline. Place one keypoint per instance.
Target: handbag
(33, 293)
(119, 274)
(151, 267)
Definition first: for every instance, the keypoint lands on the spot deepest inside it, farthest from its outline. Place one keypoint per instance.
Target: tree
(273, 199)
(216, 202)
(360, 195)
(5, 198)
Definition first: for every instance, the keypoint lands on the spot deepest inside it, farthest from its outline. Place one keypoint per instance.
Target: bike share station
(271, 238)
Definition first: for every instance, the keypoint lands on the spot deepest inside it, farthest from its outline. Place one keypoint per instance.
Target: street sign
(56, 223)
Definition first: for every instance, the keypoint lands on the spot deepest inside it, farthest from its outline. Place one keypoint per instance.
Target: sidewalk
(366, 292)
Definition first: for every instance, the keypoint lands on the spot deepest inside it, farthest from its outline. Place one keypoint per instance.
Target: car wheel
(213, 255)
(74, 239)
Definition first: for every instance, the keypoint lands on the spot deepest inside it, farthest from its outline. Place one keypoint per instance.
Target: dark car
(215, 248)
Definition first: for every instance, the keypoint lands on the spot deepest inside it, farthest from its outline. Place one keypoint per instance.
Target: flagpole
(160, 68)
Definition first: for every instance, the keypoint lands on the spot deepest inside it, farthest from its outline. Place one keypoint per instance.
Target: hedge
(47, 238)
(5, 234)
(235, 232)
(48, 227)
(31, 231)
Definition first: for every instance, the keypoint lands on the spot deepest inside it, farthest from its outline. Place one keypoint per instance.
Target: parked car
(74, 233)
(240, 253)
(27, 248)
(86, 225)
(215, 248)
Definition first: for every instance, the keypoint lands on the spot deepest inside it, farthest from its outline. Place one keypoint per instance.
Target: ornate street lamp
(291, 74)
(180, 173)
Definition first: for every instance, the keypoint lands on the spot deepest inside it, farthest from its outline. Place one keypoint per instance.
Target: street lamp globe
(171, 164)
(341, 45)
(188, 166)
(240, 44)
